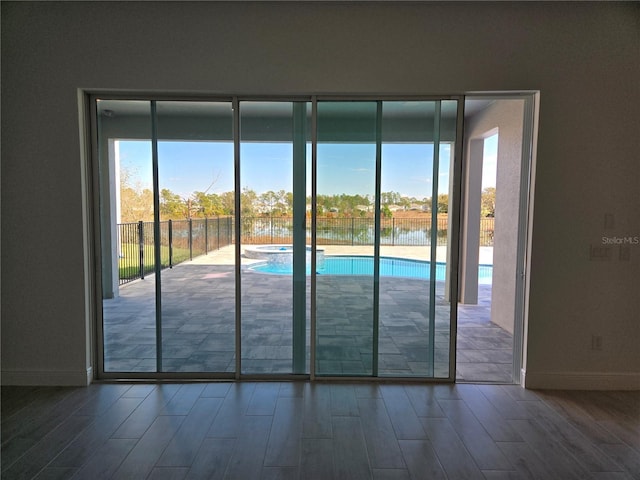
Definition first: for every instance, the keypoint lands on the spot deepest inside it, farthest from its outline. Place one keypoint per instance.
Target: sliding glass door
(126, 208)
(384, 180)
(166, 207)
(273, 148)
(295, 237)
(417, 146)
(346, 202)
(195, 187)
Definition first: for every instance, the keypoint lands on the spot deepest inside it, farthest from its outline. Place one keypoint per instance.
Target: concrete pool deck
(199, 321)
(226, 255)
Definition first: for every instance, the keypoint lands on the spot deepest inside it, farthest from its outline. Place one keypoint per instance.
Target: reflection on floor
(198, 321)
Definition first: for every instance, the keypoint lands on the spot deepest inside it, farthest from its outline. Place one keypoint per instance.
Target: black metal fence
(357, 231)
(182, 240)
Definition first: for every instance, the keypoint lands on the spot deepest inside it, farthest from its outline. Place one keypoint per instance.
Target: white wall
(504, 117)
(582, 57)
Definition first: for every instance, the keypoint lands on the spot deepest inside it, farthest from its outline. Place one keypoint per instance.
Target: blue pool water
(363, 265)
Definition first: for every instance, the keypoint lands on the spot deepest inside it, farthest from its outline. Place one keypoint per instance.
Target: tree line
(137, 203)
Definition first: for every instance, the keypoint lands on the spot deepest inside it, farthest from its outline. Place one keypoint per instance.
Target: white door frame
(525, 217)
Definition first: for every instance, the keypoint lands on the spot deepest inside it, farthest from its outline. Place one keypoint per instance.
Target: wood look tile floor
(303, 430)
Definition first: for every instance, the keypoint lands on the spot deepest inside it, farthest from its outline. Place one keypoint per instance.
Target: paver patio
(198, 318)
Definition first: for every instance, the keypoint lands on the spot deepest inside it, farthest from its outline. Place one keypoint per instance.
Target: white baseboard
(581, 381)
(75, 378)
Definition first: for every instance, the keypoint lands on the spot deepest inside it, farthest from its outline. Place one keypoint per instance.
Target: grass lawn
(129, 266)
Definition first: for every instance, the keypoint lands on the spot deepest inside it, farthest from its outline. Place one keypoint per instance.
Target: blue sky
(490, 159)
(185, 167)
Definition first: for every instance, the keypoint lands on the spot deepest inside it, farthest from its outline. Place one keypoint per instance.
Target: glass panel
(196, 189)
(271, 135)
(448, 124)
(414, 312)
(406, 185)
(302, 251)
(126, 221)
(346, 167)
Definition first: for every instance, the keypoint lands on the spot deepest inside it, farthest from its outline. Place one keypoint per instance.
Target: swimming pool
(363, 265)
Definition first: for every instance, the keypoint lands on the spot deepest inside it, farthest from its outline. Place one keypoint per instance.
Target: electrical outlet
(596, 342)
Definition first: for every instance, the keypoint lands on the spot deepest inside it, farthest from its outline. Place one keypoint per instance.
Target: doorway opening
(312, 237)
(495, 205)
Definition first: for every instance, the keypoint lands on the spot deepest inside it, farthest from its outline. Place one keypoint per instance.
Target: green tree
(136, 203)
(267, 202)
(289, 202)
(172, 205)
(208, 205)
(488, 202)
(404, 202)
(227, 203)
(443, 203)
(248, 201)
(390, 198)
(282, 206)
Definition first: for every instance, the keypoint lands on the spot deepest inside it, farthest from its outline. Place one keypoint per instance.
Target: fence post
(353, 231)
(271, 228)
(170, 244)
(393, 231)
(206, 235)
(218, 232)
(190, 239)
(141, 247)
